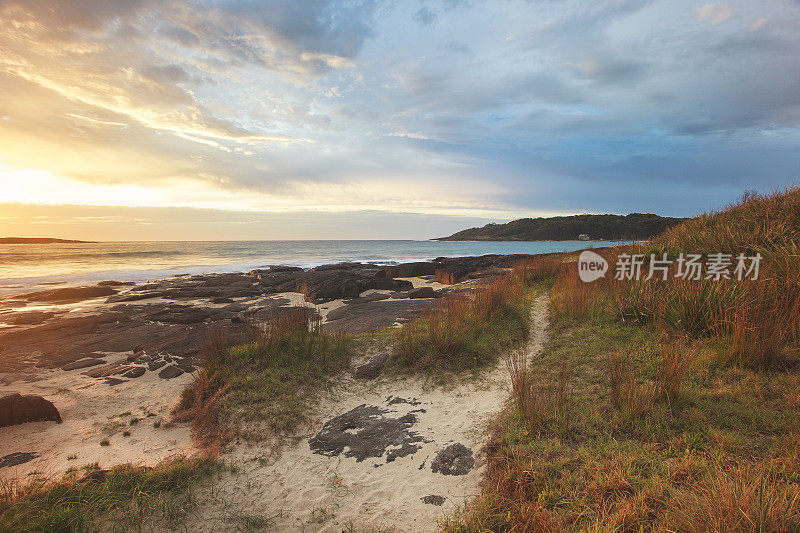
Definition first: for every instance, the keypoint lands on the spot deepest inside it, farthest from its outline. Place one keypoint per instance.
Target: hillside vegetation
(636, 226)
(663, 404)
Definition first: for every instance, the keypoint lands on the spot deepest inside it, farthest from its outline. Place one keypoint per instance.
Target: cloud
(480, 108)
(714, 13)
(425, 16)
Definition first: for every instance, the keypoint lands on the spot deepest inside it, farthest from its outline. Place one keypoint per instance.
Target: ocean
(23, 266)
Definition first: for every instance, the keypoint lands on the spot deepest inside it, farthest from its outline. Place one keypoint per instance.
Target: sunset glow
(264, 108)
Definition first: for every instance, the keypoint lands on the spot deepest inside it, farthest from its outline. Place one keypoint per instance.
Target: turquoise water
(32, 264)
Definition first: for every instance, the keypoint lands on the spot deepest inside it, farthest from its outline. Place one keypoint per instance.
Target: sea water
(28, 265)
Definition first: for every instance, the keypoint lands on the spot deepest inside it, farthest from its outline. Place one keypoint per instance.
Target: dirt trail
(370, 460)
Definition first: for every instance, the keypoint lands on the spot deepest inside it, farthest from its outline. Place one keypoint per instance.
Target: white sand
(304, 491)
(91, 411)
(297, 489)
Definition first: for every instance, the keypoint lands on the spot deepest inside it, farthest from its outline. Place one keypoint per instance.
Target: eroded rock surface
(367, 431)
(454, 460)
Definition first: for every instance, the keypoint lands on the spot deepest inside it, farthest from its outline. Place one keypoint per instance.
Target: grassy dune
(269, 380)
(660, 405)
(124, 498)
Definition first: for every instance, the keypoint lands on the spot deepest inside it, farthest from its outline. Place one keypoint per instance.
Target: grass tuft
(268, 380)
(123, 498)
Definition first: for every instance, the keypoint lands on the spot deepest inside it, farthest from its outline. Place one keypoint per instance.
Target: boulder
(169, 372)
(83, 363)
(18, 409)
(134, 372)
(422, 292)
(408, 270)
(373, 368)
(155, 365)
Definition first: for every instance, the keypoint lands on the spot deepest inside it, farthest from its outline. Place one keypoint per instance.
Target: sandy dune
(304, 491)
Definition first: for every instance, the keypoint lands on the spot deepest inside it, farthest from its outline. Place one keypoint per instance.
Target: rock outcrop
(18, 409)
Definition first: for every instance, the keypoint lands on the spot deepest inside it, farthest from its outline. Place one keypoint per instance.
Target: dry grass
(758, 321)
(126, 498)
(636, 457)
(270, 379)
(467, 330)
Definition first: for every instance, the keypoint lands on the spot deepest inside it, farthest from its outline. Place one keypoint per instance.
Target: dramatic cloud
(435, 108)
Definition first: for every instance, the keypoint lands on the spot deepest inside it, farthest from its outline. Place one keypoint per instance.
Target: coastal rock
(169, 372)
(454, 460)
(365, 432)
(18, 409)
(373, 316)
(69, 294)
(107, 370)
(112, 283)
(83, 363)
(155, 365)
(408, 270)
(134, 372)
(373, 368)
(422, 292)
(433, 499)
(29, 318)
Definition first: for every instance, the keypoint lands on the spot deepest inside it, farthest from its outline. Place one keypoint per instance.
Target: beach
(113, 358)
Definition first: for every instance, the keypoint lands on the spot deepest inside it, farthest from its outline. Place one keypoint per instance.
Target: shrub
(465, 331)
(269, 379)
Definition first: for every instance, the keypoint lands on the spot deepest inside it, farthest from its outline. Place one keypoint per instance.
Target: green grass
(466, 331)
(124, 499)
(719, 454)
(270, 380)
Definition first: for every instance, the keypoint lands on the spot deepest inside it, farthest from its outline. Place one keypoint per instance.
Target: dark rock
(114, 381)
(170, 372)
(422, 292)
(69, 294)
(373, 316)
(180, 314)
(112, 283)
(454, 460)
(365, 432)
(433, 499)
(28, 318)
(155, 365)
(17, 458)
(83, 363)
(330, 283)
(186, 368)
(373, 368)
(341, 266)
(18, 409)
(277, 269)
(107, 370)
(394, 400)
(409, 270)
(134, 372)
(374, 297)
(221, 300)
(133, 297)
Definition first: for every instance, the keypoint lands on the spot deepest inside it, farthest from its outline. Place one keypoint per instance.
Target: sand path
(299, 490)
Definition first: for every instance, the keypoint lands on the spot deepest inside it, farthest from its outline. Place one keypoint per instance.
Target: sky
(172, 119)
